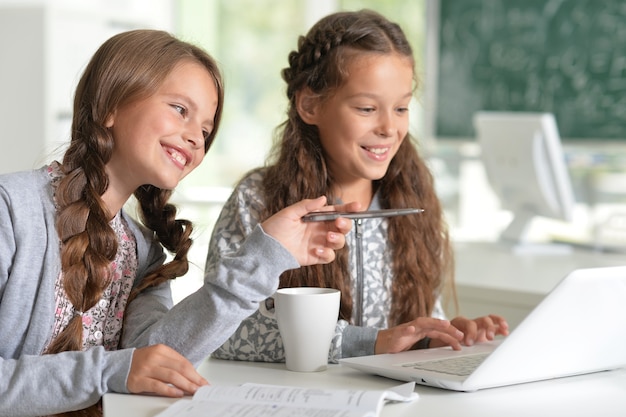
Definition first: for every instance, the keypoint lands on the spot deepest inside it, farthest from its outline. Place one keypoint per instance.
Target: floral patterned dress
(102, 324)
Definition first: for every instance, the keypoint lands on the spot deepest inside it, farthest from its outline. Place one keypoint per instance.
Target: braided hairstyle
(422, 256)
(129, 66)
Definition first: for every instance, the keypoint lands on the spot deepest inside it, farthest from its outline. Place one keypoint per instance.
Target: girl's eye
(180, 109)
(206, 135)
(366, 109)
(402, 109)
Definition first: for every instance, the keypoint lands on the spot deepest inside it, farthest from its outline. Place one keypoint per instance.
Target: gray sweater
(33, 384)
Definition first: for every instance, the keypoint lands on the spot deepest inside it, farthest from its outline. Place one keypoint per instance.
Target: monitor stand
(516, 237)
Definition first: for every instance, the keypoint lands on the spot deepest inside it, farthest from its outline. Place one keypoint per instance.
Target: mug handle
(266, 308)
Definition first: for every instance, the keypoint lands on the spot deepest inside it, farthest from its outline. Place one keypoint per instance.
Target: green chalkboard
(567, 57)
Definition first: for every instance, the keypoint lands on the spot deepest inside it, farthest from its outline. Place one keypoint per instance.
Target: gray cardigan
(36, 384)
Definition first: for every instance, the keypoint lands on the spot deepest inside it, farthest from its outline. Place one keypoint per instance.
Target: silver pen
(321, 216)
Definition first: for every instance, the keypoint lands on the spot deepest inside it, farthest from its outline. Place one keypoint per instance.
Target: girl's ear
(307, 105)
(108, 123)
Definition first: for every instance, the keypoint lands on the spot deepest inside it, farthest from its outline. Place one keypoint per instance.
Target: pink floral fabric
(102, 324)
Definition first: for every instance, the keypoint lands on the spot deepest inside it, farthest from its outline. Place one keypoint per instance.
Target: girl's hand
(161, 370)
(309, 242)
(481, 329)
(405, 336)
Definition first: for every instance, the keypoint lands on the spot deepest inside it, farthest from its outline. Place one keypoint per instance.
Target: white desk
(490, 278)
(601, 393)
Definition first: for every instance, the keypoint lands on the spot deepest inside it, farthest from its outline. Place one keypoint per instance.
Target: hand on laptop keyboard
(455, 333)
(405, 336)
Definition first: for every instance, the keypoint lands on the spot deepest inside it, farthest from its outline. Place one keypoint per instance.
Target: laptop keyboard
(458, 365)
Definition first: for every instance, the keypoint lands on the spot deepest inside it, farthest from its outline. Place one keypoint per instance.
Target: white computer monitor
(526, 168)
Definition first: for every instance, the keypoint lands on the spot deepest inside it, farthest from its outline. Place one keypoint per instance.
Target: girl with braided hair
(349, 85)
(85, 303)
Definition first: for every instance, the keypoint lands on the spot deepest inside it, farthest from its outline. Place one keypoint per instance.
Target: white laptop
(578, 328)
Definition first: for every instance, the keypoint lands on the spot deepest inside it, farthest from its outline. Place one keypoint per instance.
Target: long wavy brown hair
(129, 66)
(422, 255)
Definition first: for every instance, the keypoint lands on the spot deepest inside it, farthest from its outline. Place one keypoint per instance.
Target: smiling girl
(85, 302)
(349, 86)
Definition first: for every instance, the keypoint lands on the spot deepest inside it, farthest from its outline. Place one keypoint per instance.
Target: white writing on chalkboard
(566, 57)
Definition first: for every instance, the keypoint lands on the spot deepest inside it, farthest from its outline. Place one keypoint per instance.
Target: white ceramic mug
(307, 317)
